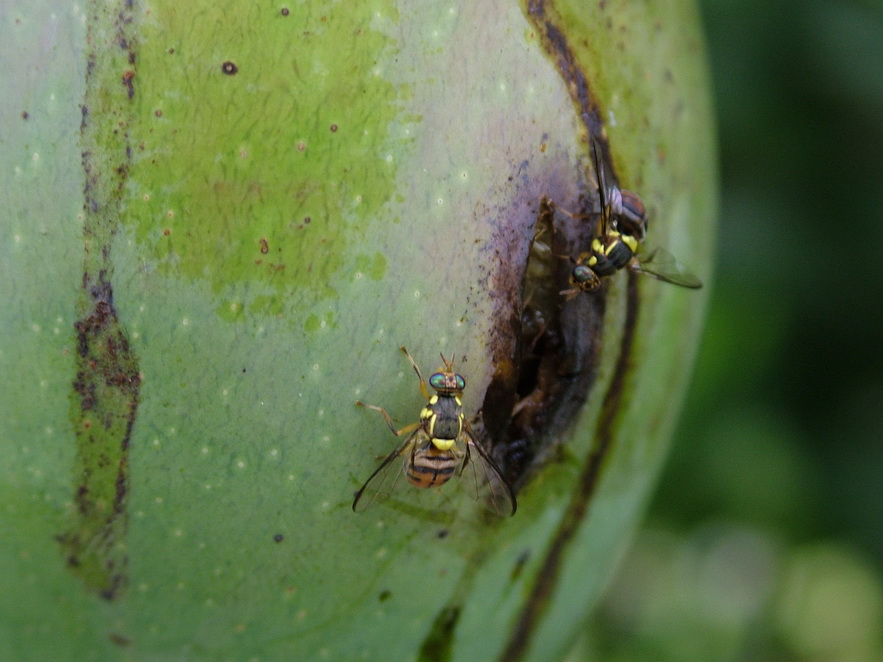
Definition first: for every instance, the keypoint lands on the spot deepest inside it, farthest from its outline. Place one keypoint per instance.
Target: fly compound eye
(447, 382)
(584, 278)
(582, 274)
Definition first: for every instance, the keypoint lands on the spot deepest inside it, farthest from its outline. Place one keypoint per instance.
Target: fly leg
(388, 419)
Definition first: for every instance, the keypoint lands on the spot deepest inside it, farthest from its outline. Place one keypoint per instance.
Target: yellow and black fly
(622, 228)
(440, 445)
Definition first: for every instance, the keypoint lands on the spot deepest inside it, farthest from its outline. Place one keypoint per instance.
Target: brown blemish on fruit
(107, 383)
(119, 640)
(548, 575)
(556, 354)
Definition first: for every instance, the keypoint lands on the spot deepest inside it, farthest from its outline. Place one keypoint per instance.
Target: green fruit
(222, 220)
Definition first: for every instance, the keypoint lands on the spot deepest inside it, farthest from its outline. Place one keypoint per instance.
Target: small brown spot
(171, 51)
(542, 148)
(157, 112)
(24, 115)
(119, 639)
(333, 128)
(265, 247)
(166, 232)
(285, 11)
(278, 537)
(229, 68)
(301, 146)
(519, 565)
(307, 220)
(128, 75)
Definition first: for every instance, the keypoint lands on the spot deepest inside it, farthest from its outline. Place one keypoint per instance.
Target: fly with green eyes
(618, 244)
(440, 445)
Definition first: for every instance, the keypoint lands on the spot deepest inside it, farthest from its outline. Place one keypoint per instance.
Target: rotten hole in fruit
(546, 356)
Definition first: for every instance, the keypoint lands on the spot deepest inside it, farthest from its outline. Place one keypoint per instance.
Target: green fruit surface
(220, 221)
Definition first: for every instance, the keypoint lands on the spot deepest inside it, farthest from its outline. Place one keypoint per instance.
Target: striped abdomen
(429, 467)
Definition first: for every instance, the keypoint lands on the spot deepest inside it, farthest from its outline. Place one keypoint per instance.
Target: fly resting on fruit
(618, 243)
(440, 445)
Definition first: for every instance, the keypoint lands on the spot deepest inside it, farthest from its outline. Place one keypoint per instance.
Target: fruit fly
(440, 445)
(621, 229)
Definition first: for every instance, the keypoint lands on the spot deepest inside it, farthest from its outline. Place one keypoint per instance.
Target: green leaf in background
(220, 222)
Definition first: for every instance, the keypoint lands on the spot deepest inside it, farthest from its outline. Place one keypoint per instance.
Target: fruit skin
(271, 232)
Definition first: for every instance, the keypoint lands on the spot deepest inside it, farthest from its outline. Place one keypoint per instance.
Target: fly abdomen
(430, 470)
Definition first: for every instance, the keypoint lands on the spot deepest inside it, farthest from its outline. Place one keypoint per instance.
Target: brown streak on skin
(549, 573)
(106, 389)
(574, 336)
(545, 349)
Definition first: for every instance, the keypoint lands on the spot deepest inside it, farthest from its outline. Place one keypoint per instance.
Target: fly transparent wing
(389, 477)
(601, 179)
(662, 265)
(483, 478)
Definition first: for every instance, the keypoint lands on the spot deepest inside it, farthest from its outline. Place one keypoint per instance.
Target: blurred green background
(765, 539)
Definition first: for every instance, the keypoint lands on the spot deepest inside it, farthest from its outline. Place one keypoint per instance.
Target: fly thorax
(447, 422)
(603, 261)
(620, 250)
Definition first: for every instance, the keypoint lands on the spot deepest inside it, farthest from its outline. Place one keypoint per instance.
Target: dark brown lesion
(546, 352)
(103, 409)
(106, 386)
(546, 580)
(535, 395)
(546, 374)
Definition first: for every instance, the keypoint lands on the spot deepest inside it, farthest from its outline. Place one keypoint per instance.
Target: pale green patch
(263, 178)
